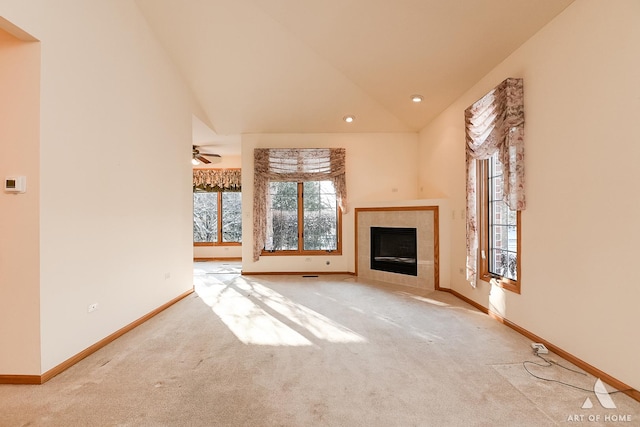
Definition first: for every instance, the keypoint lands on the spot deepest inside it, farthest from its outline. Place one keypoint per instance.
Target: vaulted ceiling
(300, 66)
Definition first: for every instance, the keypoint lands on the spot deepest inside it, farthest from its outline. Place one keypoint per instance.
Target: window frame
(219, 220)
(484, 235)
(301, 251)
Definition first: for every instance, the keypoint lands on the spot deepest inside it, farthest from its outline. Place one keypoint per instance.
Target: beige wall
(115, 173)
(112, 193)
(19, 213)
(580, 229)
(380, 167)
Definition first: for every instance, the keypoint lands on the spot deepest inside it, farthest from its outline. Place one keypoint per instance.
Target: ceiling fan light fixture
(349, 118)
(195, 162)
(417, 98)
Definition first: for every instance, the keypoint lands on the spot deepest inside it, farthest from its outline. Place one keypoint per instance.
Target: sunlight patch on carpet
(259, 315)
(320, 326)
(250, 323)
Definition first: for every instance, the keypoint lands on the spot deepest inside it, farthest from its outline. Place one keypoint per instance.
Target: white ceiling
(299, 66)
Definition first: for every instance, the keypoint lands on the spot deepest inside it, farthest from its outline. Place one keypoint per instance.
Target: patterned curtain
(292, 165)
(495, 123)
(211, 180)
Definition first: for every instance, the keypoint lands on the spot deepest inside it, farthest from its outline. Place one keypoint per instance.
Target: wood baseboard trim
(217, 259)
(294, 273)
(21, 379)
(613, 382)
(41, 379)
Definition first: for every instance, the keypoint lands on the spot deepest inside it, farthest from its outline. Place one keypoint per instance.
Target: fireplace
(394, 249)
(422, 218)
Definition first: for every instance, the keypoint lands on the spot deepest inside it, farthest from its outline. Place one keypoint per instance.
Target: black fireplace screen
(394, 249)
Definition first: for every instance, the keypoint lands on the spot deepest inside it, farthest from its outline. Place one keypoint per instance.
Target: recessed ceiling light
(416, 98)
(349, 118)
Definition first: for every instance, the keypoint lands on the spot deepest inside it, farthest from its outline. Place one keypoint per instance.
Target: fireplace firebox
(394, 249)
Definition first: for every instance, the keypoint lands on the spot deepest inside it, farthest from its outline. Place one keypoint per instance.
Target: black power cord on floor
(549, 363)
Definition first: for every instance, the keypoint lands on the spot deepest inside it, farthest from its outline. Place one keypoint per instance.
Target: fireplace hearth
(394, 249)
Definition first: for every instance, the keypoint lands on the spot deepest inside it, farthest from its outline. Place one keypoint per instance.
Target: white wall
(115, 172)
(19, 213)
(580, 229)
(380, 167)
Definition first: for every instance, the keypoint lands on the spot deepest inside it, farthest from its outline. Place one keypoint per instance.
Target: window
(295, 166)
(205, 217)
(217, 218)
(499, 230)
(231, 217)
(302, 218)
(494, 126)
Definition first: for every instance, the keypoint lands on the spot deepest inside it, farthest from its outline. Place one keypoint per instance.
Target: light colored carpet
(327, 351)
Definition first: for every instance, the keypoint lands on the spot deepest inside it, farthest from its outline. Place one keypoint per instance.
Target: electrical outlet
(92, 307)
(539, 348)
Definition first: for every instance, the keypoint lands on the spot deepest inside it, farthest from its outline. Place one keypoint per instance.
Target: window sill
(506, 284)
(301, 253)
(216, 244)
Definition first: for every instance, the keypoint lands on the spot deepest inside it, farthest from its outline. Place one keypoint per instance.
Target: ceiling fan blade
(202, 159)
(210, 154)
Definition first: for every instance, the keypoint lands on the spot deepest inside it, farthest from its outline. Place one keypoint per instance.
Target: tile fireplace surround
(424, 219)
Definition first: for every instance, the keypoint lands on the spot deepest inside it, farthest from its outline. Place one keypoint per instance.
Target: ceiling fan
(199, 157)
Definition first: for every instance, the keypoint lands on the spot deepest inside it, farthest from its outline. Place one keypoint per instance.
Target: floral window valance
(293, 165)
(494, 124)
(217, 180)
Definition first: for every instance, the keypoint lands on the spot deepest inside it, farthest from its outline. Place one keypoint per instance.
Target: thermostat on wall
(15, 184)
